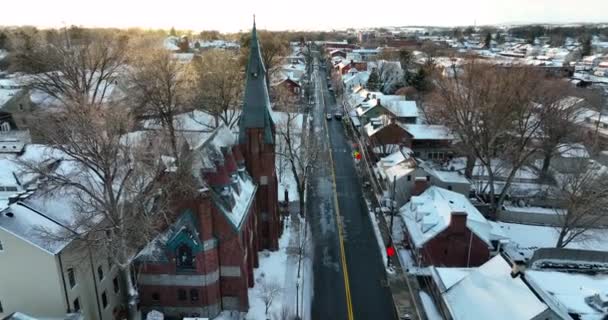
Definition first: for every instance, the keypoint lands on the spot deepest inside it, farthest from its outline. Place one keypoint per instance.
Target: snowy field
(283, 167)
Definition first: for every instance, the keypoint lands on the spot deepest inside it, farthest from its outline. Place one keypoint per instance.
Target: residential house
(15, 105)
(337, 53)
(496, 293)
(60, 275)
(428, 142)
(289, 86)
(443, 228)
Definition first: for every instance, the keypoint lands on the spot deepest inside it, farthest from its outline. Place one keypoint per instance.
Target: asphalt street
(366, 284)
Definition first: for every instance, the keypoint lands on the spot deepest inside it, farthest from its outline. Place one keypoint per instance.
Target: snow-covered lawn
(432, 313)
(527, 236)
(538, 210)
(281, 268)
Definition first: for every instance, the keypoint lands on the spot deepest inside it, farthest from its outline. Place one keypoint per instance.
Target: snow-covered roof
(7, 94)
(571, 290)
(430, 213)
(14, 141)
(401, 108)
(451, 276)
(572, 150)
(428, 131)
(495, 294)
(31, 226)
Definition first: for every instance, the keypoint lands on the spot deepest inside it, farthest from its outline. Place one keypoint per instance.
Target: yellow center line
(349, 304)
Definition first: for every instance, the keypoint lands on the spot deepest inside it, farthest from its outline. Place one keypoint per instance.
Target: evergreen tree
(172, 32)
(3, 40)
(373, 82)
(586, 46)
(488, 41)
(498, 38)
(419, 80)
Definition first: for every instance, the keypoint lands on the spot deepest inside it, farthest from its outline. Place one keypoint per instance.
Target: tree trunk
(130, 296)
(546, 163)
(560, 240)
(470, 165)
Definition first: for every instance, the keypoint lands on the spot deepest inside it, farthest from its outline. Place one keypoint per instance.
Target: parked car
(338, 115)
(328, 116)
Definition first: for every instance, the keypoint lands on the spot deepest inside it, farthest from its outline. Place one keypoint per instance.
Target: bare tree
(492, 112)
(269, 291)
(219, 86)
(116, 183)
(161, 90)
(79, 71)
(558, 122)
(582, 196)
(298, 150)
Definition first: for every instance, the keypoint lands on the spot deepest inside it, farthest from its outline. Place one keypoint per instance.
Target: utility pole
(390, 230)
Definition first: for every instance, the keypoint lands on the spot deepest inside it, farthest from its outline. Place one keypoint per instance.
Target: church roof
(256, 105)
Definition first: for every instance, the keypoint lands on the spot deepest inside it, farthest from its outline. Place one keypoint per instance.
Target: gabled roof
(256, 104)
(495, 294)
(430, 213)
(428, 131)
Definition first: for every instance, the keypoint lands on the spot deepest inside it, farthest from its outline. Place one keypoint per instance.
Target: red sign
(357, 155)
(390, 251)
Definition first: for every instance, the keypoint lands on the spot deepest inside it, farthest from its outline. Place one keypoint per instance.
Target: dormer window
(185, 259)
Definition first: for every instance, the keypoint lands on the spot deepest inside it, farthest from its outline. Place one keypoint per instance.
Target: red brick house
(444, 229)
(428, 142)
(288, 85)
(203, 262)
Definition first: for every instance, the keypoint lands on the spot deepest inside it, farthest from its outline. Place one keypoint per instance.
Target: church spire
(256, 104)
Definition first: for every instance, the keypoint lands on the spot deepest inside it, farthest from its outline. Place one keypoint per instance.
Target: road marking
(349, 304)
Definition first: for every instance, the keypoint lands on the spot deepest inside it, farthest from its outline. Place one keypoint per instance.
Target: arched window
(185, 259)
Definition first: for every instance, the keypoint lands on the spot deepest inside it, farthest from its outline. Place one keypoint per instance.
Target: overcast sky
(234, 15)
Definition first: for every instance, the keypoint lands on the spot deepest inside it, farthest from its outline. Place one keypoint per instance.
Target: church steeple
(256, 104)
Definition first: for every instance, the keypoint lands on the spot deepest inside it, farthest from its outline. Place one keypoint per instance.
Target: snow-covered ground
(527, 236)
(432, 313)
(285, 175)
(281, 268)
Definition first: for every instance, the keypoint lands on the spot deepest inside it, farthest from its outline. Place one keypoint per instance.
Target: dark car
(338, 115)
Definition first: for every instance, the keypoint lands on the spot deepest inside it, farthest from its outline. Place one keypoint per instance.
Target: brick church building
(203, 262)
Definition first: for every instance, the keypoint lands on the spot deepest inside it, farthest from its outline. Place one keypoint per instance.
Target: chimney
(458, 221)
(420, 185)
(352, 62)
(378, 103)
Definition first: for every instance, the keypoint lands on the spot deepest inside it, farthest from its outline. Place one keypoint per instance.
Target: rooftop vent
(10, 214)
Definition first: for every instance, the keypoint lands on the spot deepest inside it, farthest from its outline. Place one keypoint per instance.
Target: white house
(43, 276)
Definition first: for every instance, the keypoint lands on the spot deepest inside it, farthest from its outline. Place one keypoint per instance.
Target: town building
(44, 275)
(443, 228)
(203, 262)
